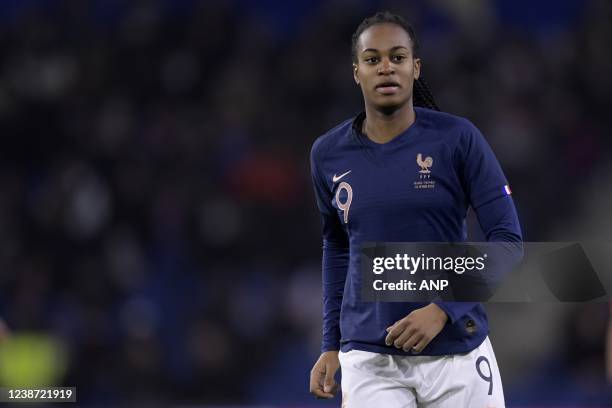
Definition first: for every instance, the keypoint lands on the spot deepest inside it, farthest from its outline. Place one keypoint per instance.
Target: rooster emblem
(424, 164)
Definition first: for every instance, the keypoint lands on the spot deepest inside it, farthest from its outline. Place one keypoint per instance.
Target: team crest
(424, 172)
(424, 164)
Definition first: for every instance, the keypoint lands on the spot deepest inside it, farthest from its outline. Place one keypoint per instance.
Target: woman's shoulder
(443, 121)
(332, 137)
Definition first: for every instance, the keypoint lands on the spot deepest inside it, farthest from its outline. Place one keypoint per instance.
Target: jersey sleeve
(479, 171)
(335, 257)
(499, 222)
(489, 194)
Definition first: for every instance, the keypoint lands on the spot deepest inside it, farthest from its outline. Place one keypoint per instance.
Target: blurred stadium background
(159, 242)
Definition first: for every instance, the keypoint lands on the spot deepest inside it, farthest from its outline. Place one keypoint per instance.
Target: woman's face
(385, 68)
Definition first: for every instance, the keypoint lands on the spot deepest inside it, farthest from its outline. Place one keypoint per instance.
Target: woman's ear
(417, 68)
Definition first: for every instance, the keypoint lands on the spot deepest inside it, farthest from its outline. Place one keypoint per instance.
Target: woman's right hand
(322, 383)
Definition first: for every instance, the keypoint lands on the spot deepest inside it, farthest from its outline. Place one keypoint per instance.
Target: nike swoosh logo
(336, 178)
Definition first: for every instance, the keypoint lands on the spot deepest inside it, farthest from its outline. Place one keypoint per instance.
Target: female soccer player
(367, 175)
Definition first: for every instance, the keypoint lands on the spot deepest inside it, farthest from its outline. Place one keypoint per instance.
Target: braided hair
(421, 94)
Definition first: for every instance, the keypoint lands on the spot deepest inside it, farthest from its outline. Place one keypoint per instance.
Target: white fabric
(454, 381)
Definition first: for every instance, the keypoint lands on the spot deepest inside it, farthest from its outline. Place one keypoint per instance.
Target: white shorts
(468, 380)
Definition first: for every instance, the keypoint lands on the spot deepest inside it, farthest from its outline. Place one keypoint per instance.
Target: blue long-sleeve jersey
(415, 188)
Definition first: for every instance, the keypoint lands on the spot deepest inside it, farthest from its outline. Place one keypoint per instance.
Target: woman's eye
(398, 58)
(371, 60)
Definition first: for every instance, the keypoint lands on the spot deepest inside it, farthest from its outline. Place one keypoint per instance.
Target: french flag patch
(507, 190)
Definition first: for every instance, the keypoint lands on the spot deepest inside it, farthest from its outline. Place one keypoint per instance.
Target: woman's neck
(382, 128)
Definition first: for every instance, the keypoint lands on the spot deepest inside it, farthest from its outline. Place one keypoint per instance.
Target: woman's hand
(415, 331)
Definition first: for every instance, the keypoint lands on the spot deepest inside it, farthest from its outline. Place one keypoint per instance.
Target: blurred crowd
(156, 213)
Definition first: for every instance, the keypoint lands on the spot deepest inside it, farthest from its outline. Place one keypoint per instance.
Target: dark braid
(421, 94)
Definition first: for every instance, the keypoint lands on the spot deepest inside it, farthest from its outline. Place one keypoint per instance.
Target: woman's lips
(387, 89)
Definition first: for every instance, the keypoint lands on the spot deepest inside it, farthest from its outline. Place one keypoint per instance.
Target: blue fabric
(396, 197)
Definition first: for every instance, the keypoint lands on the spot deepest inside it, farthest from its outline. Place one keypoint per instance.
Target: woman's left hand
(415, 331)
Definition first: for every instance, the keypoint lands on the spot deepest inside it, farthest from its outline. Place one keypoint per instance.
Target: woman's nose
(385, 67)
